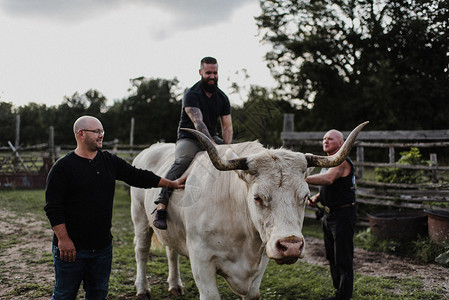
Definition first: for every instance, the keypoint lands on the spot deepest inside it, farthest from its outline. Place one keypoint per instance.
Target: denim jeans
(92, 267)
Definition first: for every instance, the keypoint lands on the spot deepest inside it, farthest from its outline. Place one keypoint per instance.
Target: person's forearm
(227, 134)
(67, 250)
(201, 127)
(164, 183)
(61, 232)
(319, 179)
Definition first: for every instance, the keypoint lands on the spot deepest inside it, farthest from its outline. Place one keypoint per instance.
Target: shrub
(400, 175)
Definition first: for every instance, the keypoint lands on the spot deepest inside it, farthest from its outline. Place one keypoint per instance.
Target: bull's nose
(291, 247)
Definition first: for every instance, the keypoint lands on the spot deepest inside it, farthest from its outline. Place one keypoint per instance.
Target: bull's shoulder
(155, 153)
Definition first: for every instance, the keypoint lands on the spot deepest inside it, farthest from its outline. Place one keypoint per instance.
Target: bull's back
(157, 158)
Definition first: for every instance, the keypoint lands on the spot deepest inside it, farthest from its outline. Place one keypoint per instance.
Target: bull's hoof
(145, 296)
(177, 291)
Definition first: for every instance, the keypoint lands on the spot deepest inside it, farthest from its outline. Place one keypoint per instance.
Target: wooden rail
(426, 195)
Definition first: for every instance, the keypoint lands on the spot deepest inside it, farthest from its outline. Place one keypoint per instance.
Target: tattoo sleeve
(197, 118)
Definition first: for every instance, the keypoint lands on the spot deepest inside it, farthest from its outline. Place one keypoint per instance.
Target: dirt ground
(30, 243)
(381, 264)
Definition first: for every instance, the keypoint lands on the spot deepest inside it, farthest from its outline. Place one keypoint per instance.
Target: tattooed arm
(196, 116)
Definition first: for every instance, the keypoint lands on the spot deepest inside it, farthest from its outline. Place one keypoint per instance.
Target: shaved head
(332, 141)
(336, 135)
(86, 122)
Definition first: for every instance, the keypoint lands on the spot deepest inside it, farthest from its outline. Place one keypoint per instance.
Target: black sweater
(80, 194)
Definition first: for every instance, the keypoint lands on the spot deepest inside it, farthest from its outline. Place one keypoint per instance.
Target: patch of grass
(421, 249)
(297, 281)
(312, 228)
(32, 290)
(24, 202)
(371, 287)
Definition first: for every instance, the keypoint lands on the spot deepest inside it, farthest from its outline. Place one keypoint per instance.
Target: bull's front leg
(204, 273)
(175, 285)
(142, 243)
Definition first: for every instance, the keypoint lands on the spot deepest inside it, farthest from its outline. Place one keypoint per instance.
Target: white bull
(228, 223)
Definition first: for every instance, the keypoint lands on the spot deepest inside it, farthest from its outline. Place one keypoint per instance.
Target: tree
(351, 61)
(155, 106)
(72, 107)
(7, 123)
(35, 120)
(261, 117)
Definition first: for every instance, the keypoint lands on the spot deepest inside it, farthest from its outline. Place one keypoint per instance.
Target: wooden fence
(433, 194)
(27, 167)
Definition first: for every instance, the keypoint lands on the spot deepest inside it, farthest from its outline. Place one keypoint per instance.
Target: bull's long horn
(340, 156)
(217, 161)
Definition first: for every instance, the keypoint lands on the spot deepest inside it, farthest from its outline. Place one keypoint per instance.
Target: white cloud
(190, 14)
(43, 58)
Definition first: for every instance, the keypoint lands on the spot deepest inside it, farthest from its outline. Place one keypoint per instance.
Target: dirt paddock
(29, 244)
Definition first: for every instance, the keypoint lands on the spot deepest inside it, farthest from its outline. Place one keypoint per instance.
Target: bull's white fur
(215, 220)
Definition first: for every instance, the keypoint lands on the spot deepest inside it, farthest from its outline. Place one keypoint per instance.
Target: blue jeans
(92, 267)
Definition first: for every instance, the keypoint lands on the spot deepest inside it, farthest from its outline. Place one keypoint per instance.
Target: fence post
(51, 143)
(434, 163)
(360, 158)
(131, 138)
(17, 141)
(391, 154)
(115, 146)
(289, 125)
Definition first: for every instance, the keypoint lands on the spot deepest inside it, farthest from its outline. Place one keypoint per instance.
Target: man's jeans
(338, 228)
(93, 267)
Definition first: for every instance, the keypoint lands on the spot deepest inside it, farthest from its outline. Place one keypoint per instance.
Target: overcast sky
(53, 48)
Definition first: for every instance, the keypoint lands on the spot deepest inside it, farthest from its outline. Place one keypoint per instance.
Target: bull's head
(278, 190)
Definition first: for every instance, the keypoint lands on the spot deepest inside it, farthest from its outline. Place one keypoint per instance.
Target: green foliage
(421, 249)
(399, 175)
(153, 103)
(261, 117)
(361, 60)
(7, 123)
(443, 258)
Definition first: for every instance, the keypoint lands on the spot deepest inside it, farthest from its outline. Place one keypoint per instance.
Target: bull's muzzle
(289, 250)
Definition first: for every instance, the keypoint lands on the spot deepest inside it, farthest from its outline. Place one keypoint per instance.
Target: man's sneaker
(160, 219)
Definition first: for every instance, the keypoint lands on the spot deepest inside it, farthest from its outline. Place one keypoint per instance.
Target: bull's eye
(258, 200)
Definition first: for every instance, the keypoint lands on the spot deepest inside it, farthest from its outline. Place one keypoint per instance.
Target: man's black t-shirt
(211, 108)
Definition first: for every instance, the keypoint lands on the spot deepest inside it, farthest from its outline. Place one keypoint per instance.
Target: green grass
(298, 281)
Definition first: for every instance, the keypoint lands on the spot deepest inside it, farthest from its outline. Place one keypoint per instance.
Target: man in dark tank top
(337, 197)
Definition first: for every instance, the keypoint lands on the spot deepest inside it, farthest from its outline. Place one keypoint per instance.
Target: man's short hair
(208, 60)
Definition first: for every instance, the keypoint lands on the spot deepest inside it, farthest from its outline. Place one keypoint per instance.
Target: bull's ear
(245, 176)
(242, 174)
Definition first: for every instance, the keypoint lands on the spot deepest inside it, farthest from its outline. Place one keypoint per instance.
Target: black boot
(160, 219)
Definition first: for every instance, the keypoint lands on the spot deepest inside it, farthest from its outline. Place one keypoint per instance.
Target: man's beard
(92, 144)
(209, 87)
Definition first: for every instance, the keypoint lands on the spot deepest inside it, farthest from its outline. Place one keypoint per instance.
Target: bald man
(337, 195)
(79, 199)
